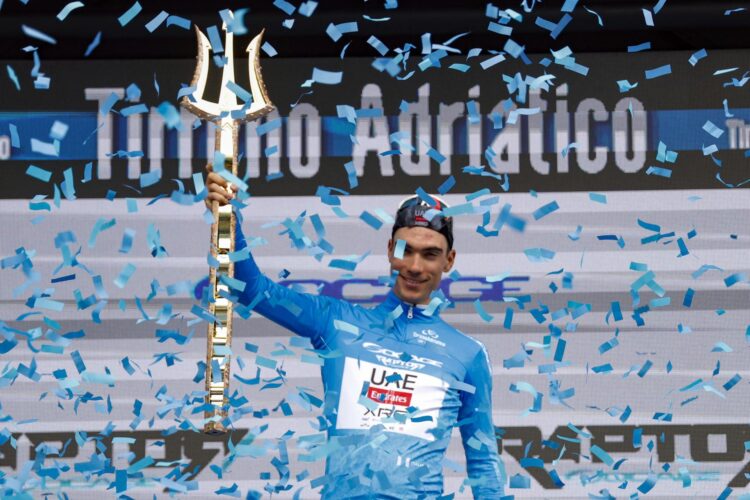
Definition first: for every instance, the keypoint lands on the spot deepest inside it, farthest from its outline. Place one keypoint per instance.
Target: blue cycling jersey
(396, 381)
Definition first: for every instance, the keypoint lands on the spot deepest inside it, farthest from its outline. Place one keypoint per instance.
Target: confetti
(157, 21)
(129, 14)
(335, 31)
(12, 76)
(598, 198)
(38, 173)
(697, 56)
(657, 72)
(545, 210)
(712, 129)
(70, 7)
(34, 33)
(640, 47)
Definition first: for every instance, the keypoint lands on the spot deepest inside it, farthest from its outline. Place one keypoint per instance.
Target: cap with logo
(415, 211)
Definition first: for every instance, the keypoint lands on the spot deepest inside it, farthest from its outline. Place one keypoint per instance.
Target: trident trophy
(227, 114)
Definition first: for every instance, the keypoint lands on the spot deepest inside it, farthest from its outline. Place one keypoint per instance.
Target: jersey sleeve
(304, 314)
(478, 432)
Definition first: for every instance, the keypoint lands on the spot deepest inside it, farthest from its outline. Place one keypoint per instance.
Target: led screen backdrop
(602, 259)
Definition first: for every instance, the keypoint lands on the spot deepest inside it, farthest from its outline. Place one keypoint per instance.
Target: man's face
(426, 258)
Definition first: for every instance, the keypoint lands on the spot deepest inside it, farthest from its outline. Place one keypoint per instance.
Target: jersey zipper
(410, 314)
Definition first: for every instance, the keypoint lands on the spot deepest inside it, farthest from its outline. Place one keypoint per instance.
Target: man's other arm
(478, 432)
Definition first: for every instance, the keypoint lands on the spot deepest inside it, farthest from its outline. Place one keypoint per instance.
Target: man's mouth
(412, 282)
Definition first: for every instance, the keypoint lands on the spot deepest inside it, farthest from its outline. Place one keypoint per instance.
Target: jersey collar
(392, 301)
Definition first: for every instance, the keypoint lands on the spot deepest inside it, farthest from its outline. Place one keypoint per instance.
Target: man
(397, 378)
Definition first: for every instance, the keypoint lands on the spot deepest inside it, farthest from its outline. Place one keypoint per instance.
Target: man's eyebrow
(426, 249)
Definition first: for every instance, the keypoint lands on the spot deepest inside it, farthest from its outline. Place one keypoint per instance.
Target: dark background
(680, 25)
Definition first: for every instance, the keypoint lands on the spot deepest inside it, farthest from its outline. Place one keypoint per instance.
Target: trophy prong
(261, 101)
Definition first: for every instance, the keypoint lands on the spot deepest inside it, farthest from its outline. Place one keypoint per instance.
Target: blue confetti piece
(12, 76)
(398, 250)
(133, 110)
(308, 8)
(721, 347)
(640, 47)
(598, 198)
(697, 56)
(712, 129)
(215, 40)
(435, 155)
(157, 21)
(703, 269)
(508, 321)
(170, 114)
(70, 7)
(598, 17)
(513, 49)
(659, 171)
(687, 301)
(94, 44)
(648, 484)
(351, 173)
(127, 240)
(284, 6)
(645, 368)
(602, 455)
(447, 185)
(492, 61)
(326, 77)
(569, 5)
(150, 178)
(625, 85)
(180, 22)
(15, 141)
(658, 72)
(35, 33)
(67, 277)
(47, 303)
(732, 382)
(539, 254)
(371, 220)
(78, 361)
(499, 28)
(267, 127)
(481, 311)
(560, 350)
(376, 44)
(129, 14)
(545, 210)
(124, 276)
(616, 312)
(736, 278)
(725, 493)
(648, 19)
(38, 173)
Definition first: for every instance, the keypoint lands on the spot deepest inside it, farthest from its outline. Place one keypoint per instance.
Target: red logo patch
(385, 396)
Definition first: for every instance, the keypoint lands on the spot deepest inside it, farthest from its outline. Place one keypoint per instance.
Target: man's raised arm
(304, 314)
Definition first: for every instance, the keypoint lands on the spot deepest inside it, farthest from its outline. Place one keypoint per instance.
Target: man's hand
(218, 189)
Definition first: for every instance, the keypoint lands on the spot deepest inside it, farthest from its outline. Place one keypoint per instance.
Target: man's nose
(414, 264)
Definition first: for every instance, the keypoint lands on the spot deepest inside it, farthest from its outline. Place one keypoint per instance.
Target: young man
(397, 378)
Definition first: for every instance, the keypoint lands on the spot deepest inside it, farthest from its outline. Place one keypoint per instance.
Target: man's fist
(218, 189)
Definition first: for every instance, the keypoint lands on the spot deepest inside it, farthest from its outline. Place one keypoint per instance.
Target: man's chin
(411, 296)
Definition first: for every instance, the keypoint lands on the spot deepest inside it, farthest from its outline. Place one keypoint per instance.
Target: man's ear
(390, 247)
(449, 260)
